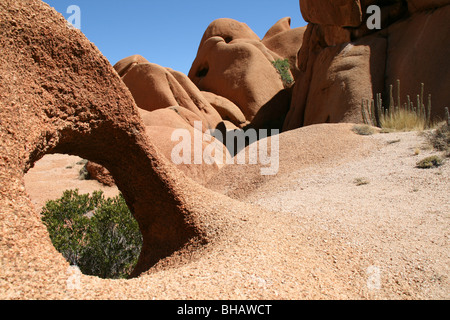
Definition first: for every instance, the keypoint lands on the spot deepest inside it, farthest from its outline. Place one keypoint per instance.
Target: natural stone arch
(58, 94)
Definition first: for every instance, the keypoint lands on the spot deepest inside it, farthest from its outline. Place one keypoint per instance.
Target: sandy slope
(399, 220)
(55, 173)
(308, 233)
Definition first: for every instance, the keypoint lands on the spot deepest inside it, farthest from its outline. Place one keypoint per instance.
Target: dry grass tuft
(398, 116)
(430, 162)
(361, 181)
(404, 120)
(440, 138)
(363, 130)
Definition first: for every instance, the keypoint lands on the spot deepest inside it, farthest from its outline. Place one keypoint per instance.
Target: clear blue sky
(168, 32)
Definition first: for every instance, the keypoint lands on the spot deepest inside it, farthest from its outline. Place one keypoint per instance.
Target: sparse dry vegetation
(440, 138)
(396, 116)
(363, 130)
(361, 181)
(430, 162)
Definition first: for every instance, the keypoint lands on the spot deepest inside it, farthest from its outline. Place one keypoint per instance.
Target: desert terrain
(346, 216)
(386, 236)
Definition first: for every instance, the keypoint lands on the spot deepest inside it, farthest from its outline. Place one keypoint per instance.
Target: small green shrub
(430, 162)
(283, 67)
(98, 235)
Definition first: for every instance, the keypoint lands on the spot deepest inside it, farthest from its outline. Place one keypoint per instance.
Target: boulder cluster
(336, 62)
(232, 85)
(342, 61)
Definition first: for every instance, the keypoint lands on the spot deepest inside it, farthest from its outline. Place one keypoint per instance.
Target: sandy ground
(399, 219)
(309, 232)
(54, 174)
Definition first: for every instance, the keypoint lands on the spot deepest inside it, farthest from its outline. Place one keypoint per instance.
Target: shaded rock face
(422, 5)
(100, 173)
(161, 125)
(418, 51)
(341, 62)
(343, 76)
(58, 86)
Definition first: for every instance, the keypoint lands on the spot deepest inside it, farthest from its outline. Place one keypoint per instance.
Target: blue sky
(168, 32)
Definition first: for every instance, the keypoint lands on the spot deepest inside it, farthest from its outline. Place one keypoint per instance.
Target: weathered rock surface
(100, 173)
(172, 117)
(342, 13)
(160, 127)
(341, 62)
(124, 65)
(240, 70)
(197, 244)
(228, 30)
(421, 5)
(154, 87)
(206, 167)
(343, 76)
(418, 53)
(227, 109)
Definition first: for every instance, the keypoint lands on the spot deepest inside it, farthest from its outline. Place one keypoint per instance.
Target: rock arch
(58, 94)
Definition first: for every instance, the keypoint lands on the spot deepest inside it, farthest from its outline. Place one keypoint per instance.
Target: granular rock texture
(417, 54)
(58, 86)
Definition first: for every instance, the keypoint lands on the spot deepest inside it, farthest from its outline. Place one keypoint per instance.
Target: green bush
(284, 69)
(98, 235)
